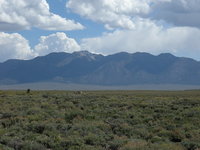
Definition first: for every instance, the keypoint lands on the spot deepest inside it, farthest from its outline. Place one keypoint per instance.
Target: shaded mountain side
(117, 69)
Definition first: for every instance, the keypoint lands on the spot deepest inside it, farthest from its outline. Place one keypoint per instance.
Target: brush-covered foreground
(106, 120)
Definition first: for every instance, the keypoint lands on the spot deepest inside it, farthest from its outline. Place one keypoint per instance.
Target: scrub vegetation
(99, 120)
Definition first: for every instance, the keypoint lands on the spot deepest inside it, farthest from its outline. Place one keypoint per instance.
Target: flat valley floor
(100, 120)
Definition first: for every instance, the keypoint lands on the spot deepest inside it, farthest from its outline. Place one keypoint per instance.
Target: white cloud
(58, 42)
(177, 12)
(125, 13)
(181, 41)
(14, 46)
(25, 14)
(113, 13)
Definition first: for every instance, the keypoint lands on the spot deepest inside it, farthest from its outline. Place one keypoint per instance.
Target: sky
(31, 28)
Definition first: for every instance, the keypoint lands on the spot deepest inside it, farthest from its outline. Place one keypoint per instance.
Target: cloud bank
(177, 12)
(180, 41)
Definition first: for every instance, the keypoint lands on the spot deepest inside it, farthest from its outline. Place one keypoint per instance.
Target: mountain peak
(142, 54)
(82, 53)
(85, 53)
(166, 55)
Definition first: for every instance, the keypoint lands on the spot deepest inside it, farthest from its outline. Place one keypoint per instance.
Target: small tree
(28, 91)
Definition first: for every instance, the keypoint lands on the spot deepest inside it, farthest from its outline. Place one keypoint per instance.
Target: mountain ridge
(84, 67)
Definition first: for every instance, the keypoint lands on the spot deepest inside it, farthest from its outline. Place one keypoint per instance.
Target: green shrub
(190, 145)
(31, 145)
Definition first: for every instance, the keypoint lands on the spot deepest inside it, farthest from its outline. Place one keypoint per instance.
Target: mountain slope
(117, 69)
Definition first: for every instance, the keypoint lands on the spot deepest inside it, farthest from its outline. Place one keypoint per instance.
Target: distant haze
(75, 87)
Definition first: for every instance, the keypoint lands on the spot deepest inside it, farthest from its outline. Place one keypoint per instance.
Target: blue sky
(92, 29)
(31, 28)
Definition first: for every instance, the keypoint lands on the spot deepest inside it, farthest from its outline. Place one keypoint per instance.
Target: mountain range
(87, 68)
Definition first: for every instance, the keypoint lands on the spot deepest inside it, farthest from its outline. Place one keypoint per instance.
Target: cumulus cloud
(25, 14)
(58, 42)
(14, 46)
(113, 13)
(181, 41)
(125, 13)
